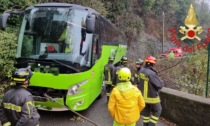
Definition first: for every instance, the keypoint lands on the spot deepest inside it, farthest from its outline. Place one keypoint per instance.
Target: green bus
(67, 47)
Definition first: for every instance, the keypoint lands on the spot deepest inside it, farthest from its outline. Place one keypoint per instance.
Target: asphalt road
(97, 112)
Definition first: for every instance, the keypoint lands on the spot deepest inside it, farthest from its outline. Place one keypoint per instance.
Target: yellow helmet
(124, 74)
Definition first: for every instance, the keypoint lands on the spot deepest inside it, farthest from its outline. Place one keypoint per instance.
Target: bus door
(97, 70)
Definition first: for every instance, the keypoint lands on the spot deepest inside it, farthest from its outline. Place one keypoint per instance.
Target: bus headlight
(75, 88)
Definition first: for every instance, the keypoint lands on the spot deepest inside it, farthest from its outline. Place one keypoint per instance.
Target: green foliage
(16, 4)
(115, 7)
(98, 5)
(202, 13)
(7, 53)
(148, 5)
(131, 26)
(182, 11)
(27, 46)
(125, 16)
(15, 20)
(158, 7)
(3, 88)
(95, 4)
(189, 75)
(192, 77)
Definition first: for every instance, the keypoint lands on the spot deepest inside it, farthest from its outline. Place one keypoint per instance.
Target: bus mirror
(90, 23)
(5, 15)
(3, 20)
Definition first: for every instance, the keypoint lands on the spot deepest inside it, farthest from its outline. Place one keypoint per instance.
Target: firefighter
(124, 61)
(108, 76)
(139, 64)
(17, 107)
(126, 101)
(171, 55)
(150, 84)
(121, 64)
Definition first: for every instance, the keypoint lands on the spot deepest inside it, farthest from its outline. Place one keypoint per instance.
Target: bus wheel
(103, 90)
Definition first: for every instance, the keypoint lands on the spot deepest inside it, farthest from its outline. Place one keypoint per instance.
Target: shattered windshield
(55, 33)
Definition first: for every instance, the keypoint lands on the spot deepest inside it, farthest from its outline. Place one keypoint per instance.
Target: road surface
(97, 112)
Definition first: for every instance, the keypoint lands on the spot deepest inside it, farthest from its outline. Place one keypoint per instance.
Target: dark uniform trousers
(108, 73)
(150, 84)
(148, 118)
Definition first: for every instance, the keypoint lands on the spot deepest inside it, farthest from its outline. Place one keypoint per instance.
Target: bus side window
(102, 35)
(95, 51)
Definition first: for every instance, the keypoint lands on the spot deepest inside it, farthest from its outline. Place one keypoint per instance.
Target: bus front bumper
(44, 103)
(57, 104)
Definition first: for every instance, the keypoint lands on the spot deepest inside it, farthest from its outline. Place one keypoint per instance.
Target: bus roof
(64, 5)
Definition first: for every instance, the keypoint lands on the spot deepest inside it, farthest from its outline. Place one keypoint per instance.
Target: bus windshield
(55, 33)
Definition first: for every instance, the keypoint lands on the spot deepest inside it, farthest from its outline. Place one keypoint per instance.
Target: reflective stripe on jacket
(108, 73)
(150, 84)
(17, 107)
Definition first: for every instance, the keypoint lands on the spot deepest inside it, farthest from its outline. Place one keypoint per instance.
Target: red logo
(190, 31)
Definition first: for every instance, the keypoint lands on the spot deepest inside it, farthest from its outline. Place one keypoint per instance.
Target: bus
(67, 47)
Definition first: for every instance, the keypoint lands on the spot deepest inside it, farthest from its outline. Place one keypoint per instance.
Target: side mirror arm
(5, 15)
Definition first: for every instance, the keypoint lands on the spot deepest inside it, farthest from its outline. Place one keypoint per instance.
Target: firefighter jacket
(136, 80)
(108, 73)
(150, 84)
(125, 103)
(115, 75)
(17, 108)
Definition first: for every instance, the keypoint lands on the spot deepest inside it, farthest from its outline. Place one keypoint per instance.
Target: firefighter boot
(153, 120)
(146, 124)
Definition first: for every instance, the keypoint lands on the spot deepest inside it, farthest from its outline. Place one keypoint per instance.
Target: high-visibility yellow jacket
(125, 103)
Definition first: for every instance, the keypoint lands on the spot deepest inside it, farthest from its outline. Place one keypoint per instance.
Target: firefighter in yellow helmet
(17, 107)
(150, 84)
(126, 101)
(108, 76)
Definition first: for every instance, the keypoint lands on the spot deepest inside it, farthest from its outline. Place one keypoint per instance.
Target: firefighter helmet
(150, 59)
(139, 61)
(124, 59)
(21, 75)
(111, 58)
(124, 74)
